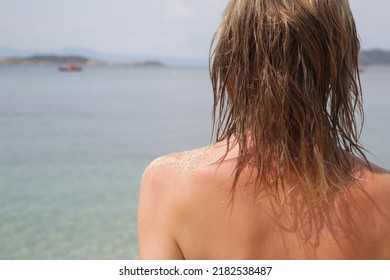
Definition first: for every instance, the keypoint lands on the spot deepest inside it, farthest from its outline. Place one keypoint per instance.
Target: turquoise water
(73, 147)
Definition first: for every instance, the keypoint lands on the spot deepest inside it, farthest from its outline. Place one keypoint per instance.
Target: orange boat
(70, 68)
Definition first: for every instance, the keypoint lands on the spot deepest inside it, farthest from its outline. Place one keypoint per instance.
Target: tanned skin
(187, 211)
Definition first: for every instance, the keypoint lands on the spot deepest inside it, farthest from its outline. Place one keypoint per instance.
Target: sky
(158, 28)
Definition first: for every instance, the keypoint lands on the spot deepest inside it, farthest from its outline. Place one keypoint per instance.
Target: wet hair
(287, 91)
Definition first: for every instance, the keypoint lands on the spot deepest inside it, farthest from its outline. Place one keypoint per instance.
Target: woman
(287, 177)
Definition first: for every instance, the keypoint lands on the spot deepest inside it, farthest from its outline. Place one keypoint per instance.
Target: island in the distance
(73, 59)
(367, 58)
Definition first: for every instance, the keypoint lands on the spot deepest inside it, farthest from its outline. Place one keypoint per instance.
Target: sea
(73, 147)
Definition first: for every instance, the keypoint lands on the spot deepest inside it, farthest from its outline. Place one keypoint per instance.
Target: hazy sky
(178, 28)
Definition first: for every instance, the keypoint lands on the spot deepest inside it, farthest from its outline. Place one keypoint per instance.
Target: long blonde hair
(286, 90)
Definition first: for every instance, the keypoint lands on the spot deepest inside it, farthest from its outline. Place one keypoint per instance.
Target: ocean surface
(73, 147)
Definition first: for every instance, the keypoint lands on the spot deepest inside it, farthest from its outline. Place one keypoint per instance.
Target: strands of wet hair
(287, 90)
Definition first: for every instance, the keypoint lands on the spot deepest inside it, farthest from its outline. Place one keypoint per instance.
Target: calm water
(73, 147)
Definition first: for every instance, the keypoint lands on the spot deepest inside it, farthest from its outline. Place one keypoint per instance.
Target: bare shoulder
(175, 177)
(173, 166)
(163, 199)
(376, 202)
(381, 194)
(374, 181)
(168, 176)
(377, 183)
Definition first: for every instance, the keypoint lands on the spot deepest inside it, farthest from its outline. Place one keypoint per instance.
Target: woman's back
(288, 177)
(189, 196)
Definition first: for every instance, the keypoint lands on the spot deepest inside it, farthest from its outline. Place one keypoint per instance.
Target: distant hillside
(366, 58)
(80, 60)
(374, 57)
(45, 59)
